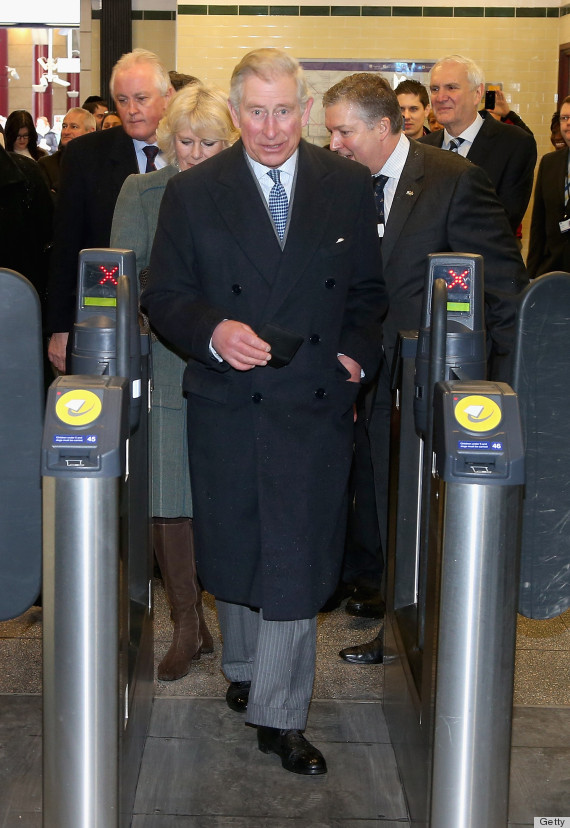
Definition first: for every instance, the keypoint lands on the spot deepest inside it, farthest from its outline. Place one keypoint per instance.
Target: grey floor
(201, 767)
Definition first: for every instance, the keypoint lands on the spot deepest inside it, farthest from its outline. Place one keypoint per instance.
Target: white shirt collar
(287, 168)
(395, 164)
(468, 134)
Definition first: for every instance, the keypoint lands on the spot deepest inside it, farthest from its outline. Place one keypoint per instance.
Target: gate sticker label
(477, 413)
(77, 408)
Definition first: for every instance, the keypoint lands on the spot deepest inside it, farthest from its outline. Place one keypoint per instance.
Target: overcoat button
(257, 397)
(314, 339)
(236, 289)
(320, 393)
(330, 283)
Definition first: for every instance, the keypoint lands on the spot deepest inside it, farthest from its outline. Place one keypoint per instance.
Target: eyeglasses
(25, 136)
(564, 119)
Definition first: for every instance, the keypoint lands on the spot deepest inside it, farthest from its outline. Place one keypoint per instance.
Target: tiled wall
(515, 44)
(518, 50)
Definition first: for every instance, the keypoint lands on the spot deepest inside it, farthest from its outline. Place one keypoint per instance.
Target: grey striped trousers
(278, 657)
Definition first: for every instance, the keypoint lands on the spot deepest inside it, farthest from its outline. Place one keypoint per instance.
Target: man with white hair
(93, 172)
(77, 122)
(507, 155)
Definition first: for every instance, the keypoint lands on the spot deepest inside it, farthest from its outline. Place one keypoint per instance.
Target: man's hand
(57, 350)
(239, 345)
(352, 367)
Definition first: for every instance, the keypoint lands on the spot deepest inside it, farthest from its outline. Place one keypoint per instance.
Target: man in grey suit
(507, 155)
(265, 269)
(93, 170)
(432, 202)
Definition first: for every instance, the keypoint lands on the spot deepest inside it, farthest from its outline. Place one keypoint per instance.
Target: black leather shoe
(237, 695)
(366, 603)
(370, 653)
(297, 755)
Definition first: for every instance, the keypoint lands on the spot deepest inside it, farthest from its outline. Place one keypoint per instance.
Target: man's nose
(271, 126)
(335, 143)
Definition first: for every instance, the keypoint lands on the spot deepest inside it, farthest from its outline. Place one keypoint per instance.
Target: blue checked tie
(151, 153)
(278, 204)
(378, 182)
(454, 144)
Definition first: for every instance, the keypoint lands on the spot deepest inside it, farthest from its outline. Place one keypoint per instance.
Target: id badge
(564, 225)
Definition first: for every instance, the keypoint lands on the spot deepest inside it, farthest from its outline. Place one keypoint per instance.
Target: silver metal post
(476, 649)
(81, 650)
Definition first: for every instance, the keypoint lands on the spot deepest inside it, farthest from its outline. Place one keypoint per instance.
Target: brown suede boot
(174, 548)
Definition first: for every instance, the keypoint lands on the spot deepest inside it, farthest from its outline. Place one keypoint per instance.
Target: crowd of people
(275, 279)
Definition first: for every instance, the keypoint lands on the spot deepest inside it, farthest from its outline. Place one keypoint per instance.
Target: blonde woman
(196, 126)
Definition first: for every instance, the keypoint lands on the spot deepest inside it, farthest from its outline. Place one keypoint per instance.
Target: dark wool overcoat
(270, 449)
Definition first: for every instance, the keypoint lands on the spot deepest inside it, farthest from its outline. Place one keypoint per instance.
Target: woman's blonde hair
(201, 108)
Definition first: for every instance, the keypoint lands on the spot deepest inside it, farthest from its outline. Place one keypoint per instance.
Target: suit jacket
(93, 169)
(50, 168)
(270, 449)
(444, 204)
(508, 156)
(549, 249)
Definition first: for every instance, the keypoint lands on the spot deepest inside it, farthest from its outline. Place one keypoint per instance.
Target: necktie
(378, 183)
(278, 204)
(151, 153)
(454, 144)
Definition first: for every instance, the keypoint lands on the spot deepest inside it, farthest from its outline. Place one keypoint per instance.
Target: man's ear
(479, 91)
(307, 112)
(234, 114)
(383, 127)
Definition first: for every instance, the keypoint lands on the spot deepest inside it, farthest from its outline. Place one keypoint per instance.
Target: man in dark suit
(549, 247)
(432, 202)
(268, 247)
(507, 155)
(92, 174)
(76, 122)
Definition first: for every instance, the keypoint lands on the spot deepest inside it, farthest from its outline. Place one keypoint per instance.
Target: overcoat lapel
(251, 226)
(408, 191)
(122, 152)
(483, 144)
(239, 202)
(309, 220)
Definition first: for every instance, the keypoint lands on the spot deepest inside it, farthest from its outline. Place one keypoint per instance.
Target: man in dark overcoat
(239, 247)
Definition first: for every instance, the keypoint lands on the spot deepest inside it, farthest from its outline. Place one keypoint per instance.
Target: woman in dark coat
(20, 135)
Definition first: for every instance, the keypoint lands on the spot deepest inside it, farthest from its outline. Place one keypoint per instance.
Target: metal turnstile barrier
(541, 381)
(21, 417)
(423, 518)
(84, 459)
(98, 637)
(476, 512)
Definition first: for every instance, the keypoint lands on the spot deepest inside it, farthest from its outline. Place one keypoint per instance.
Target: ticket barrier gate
(21, 417)
(98, 643)
(414, 570)
(540, 379)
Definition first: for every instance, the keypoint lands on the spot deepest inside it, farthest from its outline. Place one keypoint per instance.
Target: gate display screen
(100, 284)
(459, 283)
